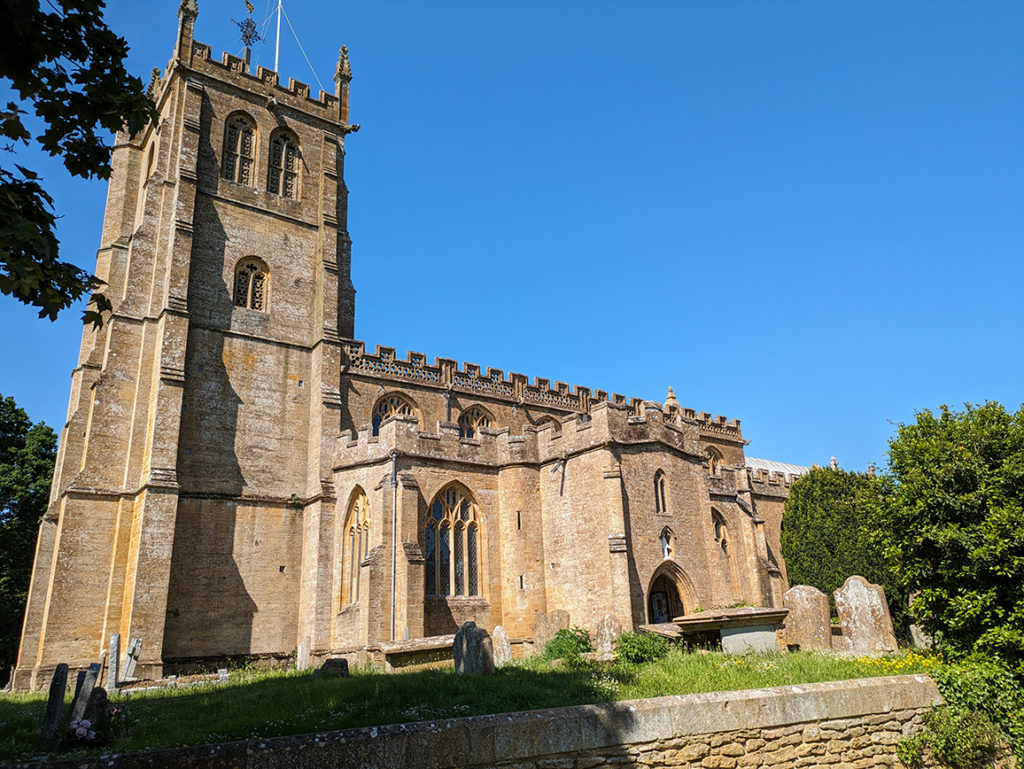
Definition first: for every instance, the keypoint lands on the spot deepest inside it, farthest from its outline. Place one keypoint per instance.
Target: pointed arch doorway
(670, 594)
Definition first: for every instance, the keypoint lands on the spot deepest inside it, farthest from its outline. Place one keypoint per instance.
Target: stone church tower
(239, 477)
(203, 414)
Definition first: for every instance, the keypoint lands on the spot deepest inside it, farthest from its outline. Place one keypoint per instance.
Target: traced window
(472, 420)
(714, 460)
(388, 406)
(451, 545)
(721, 532)
(660, 505)
(252, 284)
(550, 422)
(355, 546)
(283, 171)
(668, 543)
(239, 150)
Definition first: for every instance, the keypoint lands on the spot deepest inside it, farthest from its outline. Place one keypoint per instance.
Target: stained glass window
(451, 545)
(356, 547)
(388, 406)
(472, 420)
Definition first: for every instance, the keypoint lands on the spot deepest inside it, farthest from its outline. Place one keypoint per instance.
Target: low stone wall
(842, 723)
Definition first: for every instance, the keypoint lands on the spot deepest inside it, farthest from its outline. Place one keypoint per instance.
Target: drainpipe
(394, 534)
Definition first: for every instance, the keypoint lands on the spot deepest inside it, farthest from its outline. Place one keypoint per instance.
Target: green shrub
(568, 643)
(641, 647)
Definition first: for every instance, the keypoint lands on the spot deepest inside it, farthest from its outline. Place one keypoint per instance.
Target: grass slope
(270, 704)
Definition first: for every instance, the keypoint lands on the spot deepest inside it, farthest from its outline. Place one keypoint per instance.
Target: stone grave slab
(808, 624)
(473, 651)
(864, 617)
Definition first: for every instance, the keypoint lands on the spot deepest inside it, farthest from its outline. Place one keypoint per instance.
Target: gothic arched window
(471, 420)
(252, 284)
(388, 406)
(714, 460)
(239, 149)
(451, 545)
(550, 422)
(355, 545)
(660, 505)
(283, 170)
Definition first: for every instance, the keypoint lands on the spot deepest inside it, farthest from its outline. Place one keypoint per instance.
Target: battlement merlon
(446, 374)
(197, 57)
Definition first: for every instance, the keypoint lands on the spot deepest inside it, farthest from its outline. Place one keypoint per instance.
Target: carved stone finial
(343, 72)
(671, 402)
(189, 8)
(154, 83)
(833, 464)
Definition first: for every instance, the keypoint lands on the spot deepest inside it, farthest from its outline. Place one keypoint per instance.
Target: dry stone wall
(843, 724)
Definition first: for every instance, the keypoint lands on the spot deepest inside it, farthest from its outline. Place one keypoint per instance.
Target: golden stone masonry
(239, 477)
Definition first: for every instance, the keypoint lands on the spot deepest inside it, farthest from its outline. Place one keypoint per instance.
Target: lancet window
(451, 545)
(239, 150)
(472, 420)
(714, 460)
(355, 546)
(283, 171)
(660, 505)
(389, 406)
(252, 284)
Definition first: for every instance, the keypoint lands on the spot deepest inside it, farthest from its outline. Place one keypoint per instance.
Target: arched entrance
(670, 594)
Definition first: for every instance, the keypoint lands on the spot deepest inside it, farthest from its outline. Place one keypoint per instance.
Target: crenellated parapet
(448, 374)
(607, 424)
(770, 484)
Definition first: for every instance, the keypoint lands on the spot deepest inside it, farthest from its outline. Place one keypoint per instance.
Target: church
(240, 478)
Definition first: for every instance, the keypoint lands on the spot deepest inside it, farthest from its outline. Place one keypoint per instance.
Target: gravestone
(302, 656)
(79, 680)
(332, 667)
(81, 701)
(608, 632)
(96, 708)
(54, 706)
(545, 626)
(864, 616)
(473, 651)
(808, 624)
(918, 636)
(113, 662)
(131, 657)
(222, 674)
(502, 647)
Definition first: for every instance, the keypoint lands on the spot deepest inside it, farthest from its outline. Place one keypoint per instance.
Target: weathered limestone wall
(842, 723)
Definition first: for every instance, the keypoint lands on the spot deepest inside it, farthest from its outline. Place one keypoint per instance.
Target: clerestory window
(471, 420)
(252, 284)
(389, 406)
(283, 171)
(451, 545)
(239, 150)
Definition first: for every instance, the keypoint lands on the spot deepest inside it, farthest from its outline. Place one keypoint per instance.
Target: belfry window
(451, 545)
(355, 546)
(283, 171)
(252, 285)
(714, 460)
(239, 150)
(660, 505)
(472, 420)
(389, 406)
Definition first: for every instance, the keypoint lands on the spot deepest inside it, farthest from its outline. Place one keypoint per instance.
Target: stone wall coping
(509, 737)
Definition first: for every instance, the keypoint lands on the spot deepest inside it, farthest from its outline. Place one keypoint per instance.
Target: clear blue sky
(806, 215)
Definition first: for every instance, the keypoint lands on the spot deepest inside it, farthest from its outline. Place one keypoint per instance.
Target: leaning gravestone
(332, 667)
(54, 706)
(545, 626)
(864, 616)
(608, 632)
(113, 662)
(131, 658)
(472, 649)
(502, 647)
(81, 701)
(808, 624)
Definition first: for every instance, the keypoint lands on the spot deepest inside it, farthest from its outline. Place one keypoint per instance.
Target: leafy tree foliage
(827, 534)
(68, 66)
(27, 453)
(952, 526)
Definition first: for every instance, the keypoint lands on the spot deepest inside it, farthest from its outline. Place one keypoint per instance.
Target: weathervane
(249, 29)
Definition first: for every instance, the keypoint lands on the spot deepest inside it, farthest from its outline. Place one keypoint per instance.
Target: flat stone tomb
(742, 630)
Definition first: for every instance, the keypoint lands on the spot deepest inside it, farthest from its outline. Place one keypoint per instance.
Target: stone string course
(842, 724)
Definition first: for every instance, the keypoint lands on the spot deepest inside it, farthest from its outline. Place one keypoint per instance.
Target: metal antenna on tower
(277, 43)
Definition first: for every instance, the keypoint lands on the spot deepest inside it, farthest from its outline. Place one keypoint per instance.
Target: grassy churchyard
(275, 703)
